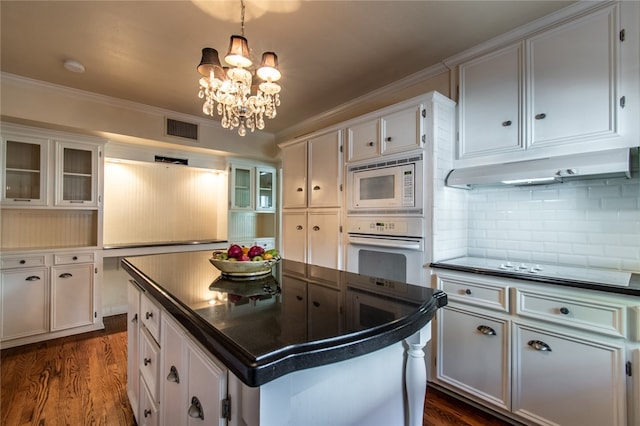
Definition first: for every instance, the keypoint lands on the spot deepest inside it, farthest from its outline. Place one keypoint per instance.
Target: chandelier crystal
(228, 90)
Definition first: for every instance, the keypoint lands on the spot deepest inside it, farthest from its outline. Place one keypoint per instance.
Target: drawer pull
(299, 298)
(74, 258)
(467, 291)
(22, 262)
(506, 123)
(147, 361)
(315, 188)
(148, 315)
(316, 228)
(65, 275)
(299, 190)
(539, 346)
(173, 375)
(485, 329)
(316, 304)
(299, 227)
(541, 116)
(564, 311)
(135, 318)
(195, 410)
(147, 413)
(32, 278)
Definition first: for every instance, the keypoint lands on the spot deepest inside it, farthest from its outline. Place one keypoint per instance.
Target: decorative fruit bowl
(244, 266)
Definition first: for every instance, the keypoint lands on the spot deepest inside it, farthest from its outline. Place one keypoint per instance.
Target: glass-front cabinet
(241, 187)
(76, 179)
(252, 188)
(25, 170)
(266, 189)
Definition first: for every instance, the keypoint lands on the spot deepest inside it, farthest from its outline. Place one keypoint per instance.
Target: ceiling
(329, 52)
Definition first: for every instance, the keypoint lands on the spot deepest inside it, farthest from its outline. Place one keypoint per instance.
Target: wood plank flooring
(81, 380)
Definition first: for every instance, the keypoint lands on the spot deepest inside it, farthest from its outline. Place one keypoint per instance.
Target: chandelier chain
(242, 17)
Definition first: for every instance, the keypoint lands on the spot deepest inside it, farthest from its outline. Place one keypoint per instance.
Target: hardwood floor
(81, 380)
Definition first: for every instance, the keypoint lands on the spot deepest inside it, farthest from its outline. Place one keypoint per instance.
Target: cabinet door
(242, 187)
(173, 375)
(573, 80)
(71, 296)
(207, 389)
(567, 381)
(294, 176)
(489, 110)
(294, 236)
(325, 170)
(324, 239)
(266, 189)
(473, 354)
(76, 174)
(401, 131)
(24, 306)
(24, 171)
(363, 140)
(133, 342)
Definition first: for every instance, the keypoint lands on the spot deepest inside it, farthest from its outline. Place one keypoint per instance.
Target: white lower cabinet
(312, 237)
(148, 415)
(540, 354)
(72, 296)
(133, 342)
(567, 380)
(24, 303)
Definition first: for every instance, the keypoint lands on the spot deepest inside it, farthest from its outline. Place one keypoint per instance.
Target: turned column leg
(416, 375)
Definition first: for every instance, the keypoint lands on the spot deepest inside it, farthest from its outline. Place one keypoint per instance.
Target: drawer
(475, 293)
(23, 261)
(149, 411)
(150, 316)
(69, 258)
(591, 315)
(149, 364)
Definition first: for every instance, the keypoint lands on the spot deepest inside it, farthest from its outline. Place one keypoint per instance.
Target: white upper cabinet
(252, 187)
(24, 170)
(77, 166)
(563, 90)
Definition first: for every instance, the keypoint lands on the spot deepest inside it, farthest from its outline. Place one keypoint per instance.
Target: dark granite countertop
(160, 244)
(302, 316)
(462, 265)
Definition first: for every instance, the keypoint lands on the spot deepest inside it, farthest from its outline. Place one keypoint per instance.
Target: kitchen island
(305, 345)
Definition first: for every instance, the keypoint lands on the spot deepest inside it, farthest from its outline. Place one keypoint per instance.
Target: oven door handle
(378, 242)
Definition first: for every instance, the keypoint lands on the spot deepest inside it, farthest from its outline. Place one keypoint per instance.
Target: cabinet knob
(467, 291)
(22, 262)
(370, 144)
(299, 227)
(147, 413)
(32, 278)
(541, 116)
(506, 123)
(65, 275)
(147, 361)
(173, 375)
(388, 139)
(564, 311)
(148, 315)
(539, 345)
(299, 189)
(315, 188)
(195, 410)
(485, 329)
(75, 258)
(316, 228)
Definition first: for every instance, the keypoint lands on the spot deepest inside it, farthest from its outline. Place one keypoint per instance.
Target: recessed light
(73, 66)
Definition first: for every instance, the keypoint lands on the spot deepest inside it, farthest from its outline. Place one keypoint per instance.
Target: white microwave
(392, 187)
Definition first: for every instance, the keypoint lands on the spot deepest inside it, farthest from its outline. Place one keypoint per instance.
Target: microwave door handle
(411, 245)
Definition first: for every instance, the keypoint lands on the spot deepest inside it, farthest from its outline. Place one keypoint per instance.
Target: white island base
(383, 388)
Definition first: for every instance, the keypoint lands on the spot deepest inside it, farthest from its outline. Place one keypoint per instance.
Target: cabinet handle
(388, 139)
(315, 188)
(74, 258)
(485, 329)
(148, 315)
(147, 413)
(541, 116)
(467, 291)
(564, 311)
(65, 275)
(135, 318)
(173, 375)
(22, 262)
(370, 144)
(299, 297)
(316, 304)
(299, 227)
(26, 200)
(539, 346)
(506, 123)
(299, 189)
(147, 361)
(195, 410)
(316, 228)
(32, 278)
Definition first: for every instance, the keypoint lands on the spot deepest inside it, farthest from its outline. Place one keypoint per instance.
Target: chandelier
(228, 90)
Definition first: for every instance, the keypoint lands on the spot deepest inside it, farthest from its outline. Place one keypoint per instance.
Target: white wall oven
(390, 248)
(392, 186)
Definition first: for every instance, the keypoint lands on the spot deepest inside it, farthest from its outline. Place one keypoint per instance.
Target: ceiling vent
(182, 129)
(171, 160)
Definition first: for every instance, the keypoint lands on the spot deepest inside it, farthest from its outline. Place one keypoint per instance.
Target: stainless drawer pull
(147, 361)
(467, 291)
(539, 346)
(173, 375)
(32, 278)
(148, 315)
(195, 410)
(65, 275)
(485, 329)
(564, 311)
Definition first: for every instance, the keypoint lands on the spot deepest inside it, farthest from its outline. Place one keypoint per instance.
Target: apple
(255, 251)
(235, 251)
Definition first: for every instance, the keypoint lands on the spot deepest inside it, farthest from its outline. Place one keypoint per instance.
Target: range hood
(601, 164)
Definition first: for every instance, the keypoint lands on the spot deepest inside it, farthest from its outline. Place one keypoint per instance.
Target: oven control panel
(407, 226)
